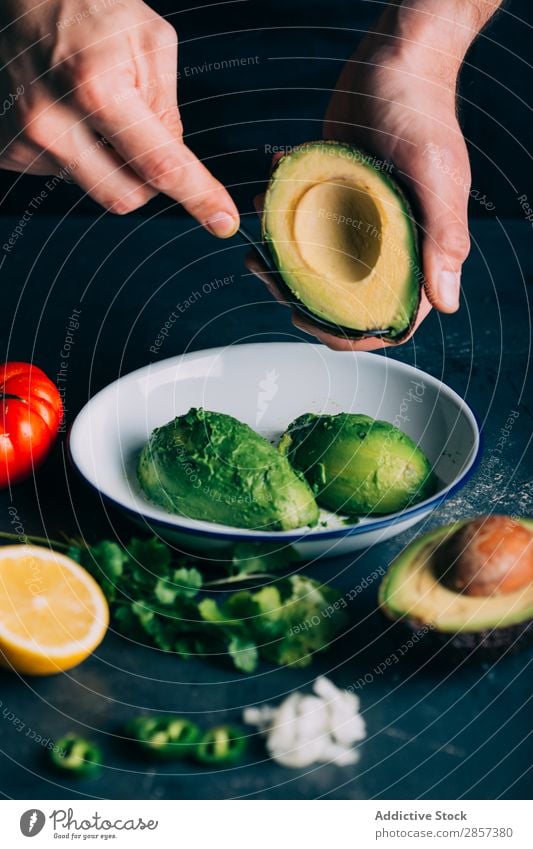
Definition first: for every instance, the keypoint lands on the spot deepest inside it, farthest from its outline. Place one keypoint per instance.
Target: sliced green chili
(223, 744)
(76, 755)
(167, 736)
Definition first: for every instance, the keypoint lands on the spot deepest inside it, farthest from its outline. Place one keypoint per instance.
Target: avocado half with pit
(344, 240)
(467, 586)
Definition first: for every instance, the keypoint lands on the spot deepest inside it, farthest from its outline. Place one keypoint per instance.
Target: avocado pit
(492, 555)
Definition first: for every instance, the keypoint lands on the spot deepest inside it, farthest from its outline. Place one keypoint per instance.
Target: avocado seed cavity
(337, 229)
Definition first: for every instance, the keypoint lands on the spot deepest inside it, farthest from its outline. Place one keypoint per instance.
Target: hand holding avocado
(344, 241)
(395, 98)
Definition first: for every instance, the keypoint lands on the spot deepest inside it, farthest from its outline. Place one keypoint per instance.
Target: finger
(165, 163)
(82, 156)
(27, 159)
(161, 54)
(442, 187)
(102, 174)
(336, 343)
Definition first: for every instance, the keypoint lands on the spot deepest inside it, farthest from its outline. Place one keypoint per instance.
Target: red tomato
(31, 412)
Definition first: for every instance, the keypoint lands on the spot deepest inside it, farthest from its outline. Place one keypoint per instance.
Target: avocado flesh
(358, 465)
(342, 236)
(210, 466)
(411, 590)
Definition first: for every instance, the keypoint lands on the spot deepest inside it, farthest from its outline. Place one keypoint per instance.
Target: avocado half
(358, 465)
(415, 594)
(344, 240)
(210, 466)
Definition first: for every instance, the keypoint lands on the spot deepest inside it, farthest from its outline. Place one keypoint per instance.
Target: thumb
(443, 192)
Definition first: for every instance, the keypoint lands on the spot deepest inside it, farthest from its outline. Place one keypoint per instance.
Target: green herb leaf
(210, 611)
(188, 581)
(155, 598)
(165, 592)
(244, 653)
(152, 555)
(110, 557)
(268, 599)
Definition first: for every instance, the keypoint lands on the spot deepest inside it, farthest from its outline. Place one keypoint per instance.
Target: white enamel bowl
(267, 385)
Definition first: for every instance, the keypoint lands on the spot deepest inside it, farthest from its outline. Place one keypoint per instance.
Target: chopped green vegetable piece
(168, 737)
(222, 745)
(75, 755)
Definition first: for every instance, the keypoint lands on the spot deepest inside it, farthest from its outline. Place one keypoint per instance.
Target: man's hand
(89, 89)
(396, 98)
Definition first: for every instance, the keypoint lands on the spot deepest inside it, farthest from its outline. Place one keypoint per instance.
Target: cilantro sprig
(169, 603)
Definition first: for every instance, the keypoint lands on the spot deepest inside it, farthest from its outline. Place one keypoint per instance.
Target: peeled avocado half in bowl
(470, 584)
(343, 238)
(357, 465)
(210, 466)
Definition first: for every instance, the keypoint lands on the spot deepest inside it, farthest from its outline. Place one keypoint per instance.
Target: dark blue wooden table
(434, 731)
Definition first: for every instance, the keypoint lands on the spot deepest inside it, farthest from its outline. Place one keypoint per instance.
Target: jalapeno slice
(76, 755)
(223, 744)
(172, 737)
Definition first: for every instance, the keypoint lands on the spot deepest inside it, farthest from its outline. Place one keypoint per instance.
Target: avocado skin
(461, 646)
(396, 335)
(356, 464)
(209, 466)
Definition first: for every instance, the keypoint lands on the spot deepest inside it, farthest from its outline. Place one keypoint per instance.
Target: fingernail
(449, 285)
(222, 225)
